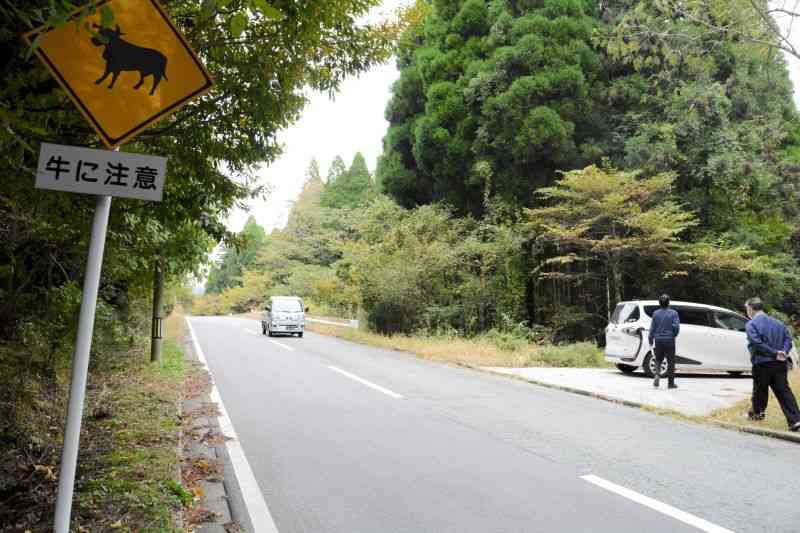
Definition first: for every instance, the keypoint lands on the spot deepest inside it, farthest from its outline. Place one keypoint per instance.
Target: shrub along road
(344, 437)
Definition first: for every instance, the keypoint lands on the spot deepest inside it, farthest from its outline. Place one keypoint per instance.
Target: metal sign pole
(128, 175)
(80, 365)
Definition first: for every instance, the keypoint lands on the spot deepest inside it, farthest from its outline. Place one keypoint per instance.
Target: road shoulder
(205, 464)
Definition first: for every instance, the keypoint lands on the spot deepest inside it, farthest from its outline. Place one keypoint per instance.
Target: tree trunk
(608, 291)
(530, 285)
(616, 271)
(158, 311)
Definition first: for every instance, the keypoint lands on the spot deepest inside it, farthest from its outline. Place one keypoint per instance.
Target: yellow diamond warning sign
(125, 76)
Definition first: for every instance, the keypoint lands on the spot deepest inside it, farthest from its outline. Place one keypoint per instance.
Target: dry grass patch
(483, 350)
(129, 477)
(175, 325)
(128, 463)
(774, 420)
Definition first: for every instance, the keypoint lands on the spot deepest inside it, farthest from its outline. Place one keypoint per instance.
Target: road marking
(367, 383)
(656, 505)
(254, 501)
(282, 345)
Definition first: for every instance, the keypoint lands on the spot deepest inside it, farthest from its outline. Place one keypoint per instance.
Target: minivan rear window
(625, 313)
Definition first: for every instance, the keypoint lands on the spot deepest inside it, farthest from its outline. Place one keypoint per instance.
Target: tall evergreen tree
(351, 188)
(307, 204)
(236, 257)
(716, 111)
(493, 98)
(338, 168)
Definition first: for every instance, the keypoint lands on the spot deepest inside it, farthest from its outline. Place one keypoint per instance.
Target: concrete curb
(215, 492)
(764, 432)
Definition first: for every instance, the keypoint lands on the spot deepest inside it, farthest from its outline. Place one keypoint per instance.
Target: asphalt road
(348, 438)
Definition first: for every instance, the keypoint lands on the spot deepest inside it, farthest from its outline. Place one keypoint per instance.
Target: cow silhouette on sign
(120, 55)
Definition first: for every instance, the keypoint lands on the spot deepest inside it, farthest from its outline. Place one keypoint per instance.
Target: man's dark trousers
(773, 374)
(666, 348)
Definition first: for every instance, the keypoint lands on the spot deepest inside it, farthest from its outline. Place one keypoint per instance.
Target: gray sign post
(80, 365)
(104, 174)
(117, 118)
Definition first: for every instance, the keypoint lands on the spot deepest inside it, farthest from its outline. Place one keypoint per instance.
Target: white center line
(282, 345)
(367, 383)
(656, 505)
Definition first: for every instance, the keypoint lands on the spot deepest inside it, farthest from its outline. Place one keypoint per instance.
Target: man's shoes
(758, 417)
(795, 427)
(655, 382)
(672, 386)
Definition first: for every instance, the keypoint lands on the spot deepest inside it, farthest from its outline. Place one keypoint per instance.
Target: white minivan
(711, 338)
(284, 314)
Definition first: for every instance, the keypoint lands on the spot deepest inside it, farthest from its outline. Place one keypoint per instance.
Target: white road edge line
(367, 383)
(282, 345)
(656, 505)
(254, 501)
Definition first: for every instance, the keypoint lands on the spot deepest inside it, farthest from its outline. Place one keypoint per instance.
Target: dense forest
(545, 160)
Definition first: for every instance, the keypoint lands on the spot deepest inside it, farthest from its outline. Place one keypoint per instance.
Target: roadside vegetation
(128, 465)
(545, 160)
(490, 349)
(132, 481)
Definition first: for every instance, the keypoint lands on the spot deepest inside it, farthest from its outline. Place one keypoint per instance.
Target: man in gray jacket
(770, 343)
(664, 327)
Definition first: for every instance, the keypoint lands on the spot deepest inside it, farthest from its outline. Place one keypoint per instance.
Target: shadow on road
(694, 375)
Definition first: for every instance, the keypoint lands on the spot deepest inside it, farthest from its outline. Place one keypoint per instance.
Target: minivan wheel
(627, 369)
(300, 335)
(649, 366)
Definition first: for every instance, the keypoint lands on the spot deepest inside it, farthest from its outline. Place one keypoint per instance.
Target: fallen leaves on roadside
(214, 438)
(194, 470)
(206, 409)
(201, 515)
(198, 381)
(46, 472)
(232, 527)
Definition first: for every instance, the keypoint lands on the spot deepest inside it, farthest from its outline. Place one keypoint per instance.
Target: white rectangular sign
(101, 172)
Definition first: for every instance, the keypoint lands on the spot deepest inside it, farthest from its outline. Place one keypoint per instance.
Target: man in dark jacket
(770, 342)
(664, 327)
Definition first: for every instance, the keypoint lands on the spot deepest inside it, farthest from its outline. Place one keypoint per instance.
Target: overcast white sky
(352, 122)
